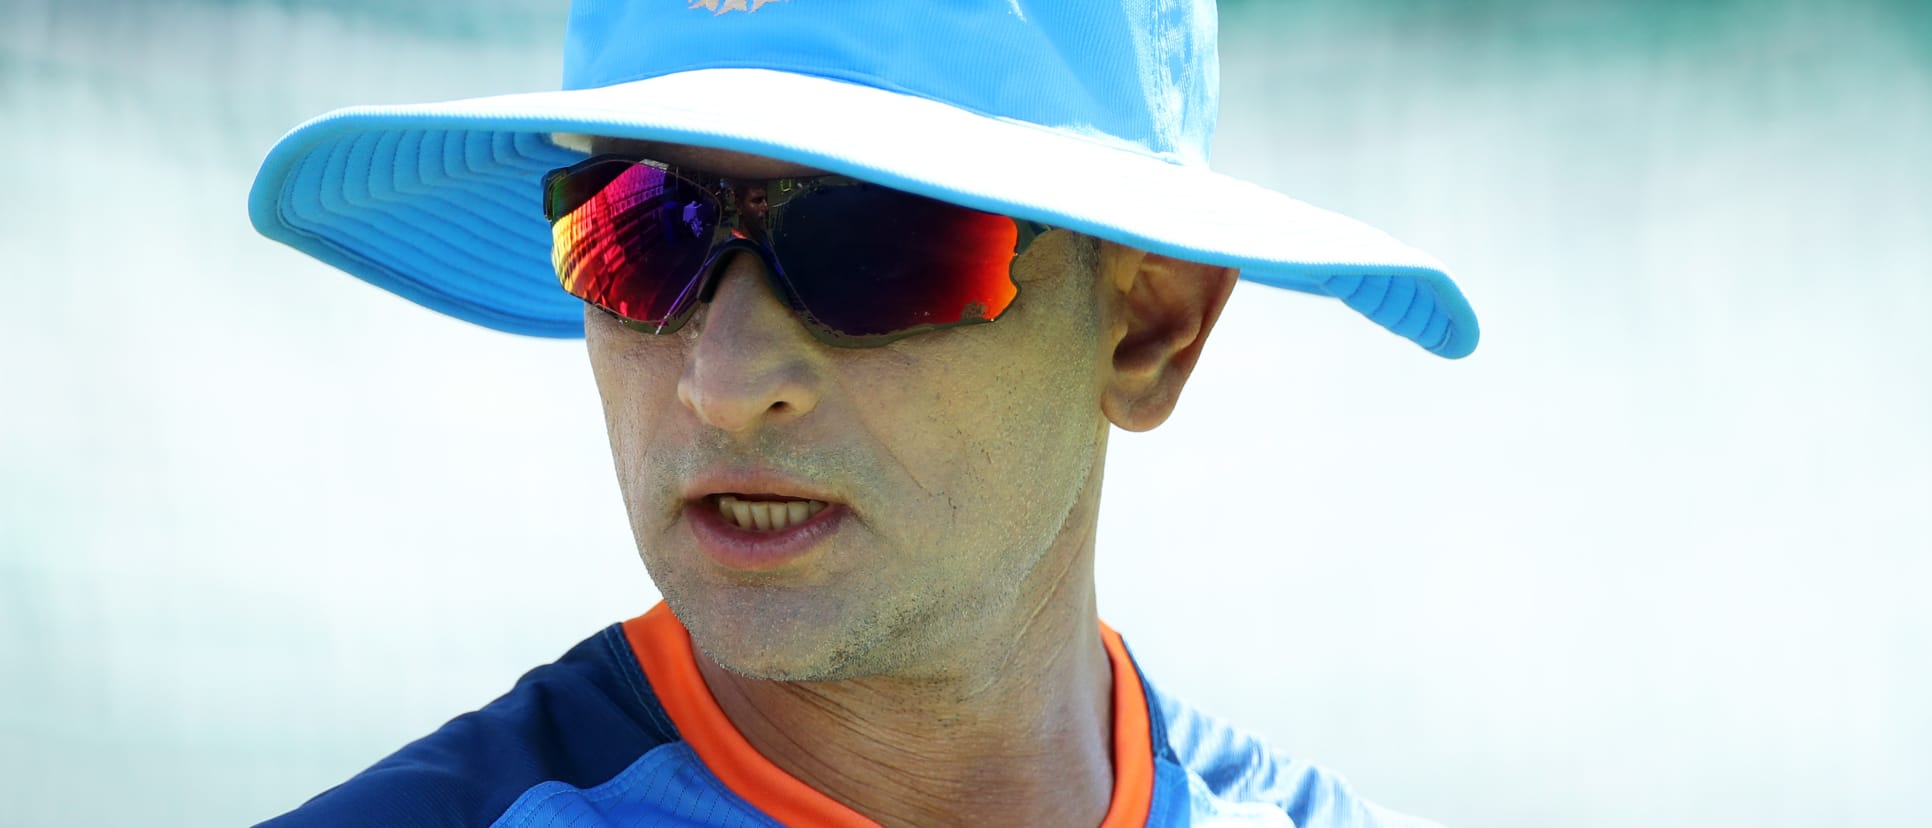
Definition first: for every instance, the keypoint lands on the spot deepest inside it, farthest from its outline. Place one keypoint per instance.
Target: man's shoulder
(1234, 777)
(580, 720)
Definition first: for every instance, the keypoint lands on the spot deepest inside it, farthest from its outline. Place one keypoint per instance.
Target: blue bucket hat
(1090, 115)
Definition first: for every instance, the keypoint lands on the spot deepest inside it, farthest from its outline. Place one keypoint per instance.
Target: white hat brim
(440, 202)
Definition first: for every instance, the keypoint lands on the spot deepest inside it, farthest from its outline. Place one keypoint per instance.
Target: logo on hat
(722, 6)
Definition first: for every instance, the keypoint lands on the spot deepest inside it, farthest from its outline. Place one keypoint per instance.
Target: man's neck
(1026, 741)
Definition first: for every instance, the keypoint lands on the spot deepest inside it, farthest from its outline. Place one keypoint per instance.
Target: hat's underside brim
(440, 202)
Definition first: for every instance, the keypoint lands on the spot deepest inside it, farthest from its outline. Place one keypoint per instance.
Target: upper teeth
(766, 515)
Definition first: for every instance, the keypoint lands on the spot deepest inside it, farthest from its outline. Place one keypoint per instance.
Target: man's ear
(1162, 309)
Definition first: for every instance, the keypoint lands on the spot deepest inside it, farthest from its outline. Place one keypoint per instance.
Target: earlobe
(1165, 309)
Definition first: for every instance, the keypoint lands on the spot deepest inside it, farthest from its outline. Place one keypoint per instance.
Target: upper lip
(753, 481)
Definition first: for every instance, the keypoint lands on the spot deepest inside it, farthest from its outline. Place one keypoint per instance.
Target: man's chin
(759, 668)
(771, 660)
(770, 640)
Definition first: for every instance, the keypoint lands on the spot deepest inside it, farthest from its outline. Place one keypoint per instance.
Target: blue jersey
(621, 731)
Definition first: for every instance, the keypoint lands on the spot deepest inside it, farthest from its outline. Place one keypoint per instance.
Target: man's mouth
(765, 513)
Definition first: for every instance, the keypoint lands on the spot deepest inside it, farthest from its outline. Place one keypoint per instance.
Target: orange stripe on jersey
(663, 649)
(1133, 740)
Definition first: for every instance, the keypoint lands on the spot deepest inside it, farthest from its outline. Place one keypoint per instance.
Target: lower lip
(759, 551)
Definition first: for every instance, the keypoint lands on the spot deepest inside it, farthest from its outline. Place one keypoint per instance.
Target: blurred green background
(1655, 554)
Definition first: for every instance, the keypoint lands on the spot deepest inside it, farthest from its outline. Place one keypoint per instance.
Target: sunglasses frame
(728, 196)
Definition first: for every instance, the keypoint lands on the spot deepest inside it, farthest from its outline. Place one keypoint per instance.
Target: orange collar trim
(663, 649)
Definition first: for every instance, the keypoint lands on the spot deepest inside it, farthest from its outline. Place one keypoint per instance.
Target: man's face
(951, 461)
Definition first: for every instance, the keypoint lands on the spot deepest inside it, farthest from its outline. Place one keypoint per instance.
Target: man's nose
(753, 362)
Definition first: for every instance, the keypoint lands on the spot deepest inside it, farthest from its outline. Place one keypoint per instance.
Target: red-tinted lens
(869, 262)
(630, 238)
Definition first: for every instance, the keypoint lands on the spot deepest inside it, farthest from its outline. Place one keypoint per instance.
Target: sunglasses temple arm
(1028, 231)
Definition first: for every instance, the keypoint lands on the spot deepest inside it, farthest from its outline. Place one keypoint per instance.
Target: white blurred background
(1655, 554)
